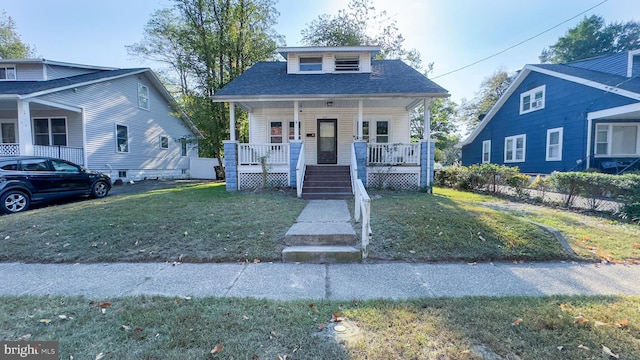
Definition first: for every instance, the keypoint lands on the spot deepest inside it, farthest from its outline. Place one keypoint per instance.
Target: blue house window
(486, 151)
(515, 148)
(532, 100)
(617, 139)
(554, 144)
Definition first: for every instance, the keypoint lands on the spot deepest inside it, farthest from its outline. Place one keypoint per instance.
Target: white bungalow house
(333, 107)
(118, 121)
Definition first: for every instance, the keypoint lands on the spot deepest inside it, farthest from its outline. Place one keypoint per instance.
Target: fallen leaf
(482, 238)
(583, 347)
(256, 261)
(25, 337)
(217, 349)
(412, 251)
(321, 326)
(126, 328)
(585, 238)
(94, 244)
(105, 304)
(245, 317)
(138, 330)
(635, 246)
(286, 357)
(186, 233)
(516, 322)
(473, 263)
(599, 323)
(63, 317)
(592, 248)
(566, 308)
(580, 320)
(45, 321)
(560, 348)
(100, 356)
(7, 237)
(313, 307)
(622, 323)
(187, 297)
(335, 317)
(607, 352)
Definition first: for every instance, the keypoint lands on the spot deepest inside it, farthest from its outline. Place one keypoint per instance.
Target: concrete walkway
(308, 281)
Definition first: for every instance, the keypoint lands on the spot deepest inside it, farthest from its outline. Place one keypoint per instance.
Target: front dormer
(633, 63)
(329, 60)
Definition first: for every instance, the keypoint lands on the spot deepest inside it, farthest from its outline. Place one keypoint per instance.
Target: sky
(450, 33)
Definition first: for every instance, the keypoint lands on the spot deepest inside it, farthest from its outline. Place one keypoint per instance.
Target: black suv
(32, 179)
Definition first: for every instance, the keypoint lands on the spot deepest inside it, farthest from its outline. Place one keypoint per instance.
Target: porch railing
(363, 214)
(61, 152)
(393, 154)
(301, 168)
(251, 154)
(9, 149)
(354, 168)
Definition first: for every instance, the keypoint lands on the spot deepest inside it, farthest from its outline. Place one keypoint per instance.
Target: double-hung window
(164, 142)
(617, 140)
(50, 131)
(486, 151)
(515, 148)
(276, 132)
(143, 97)
(532, 100)
(381, 131)
(554, 144)
(122, 138)
(7, 72)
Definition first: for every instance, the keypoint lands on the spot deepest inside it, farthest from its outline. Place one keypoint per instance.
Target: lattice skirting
(247, 181)
(399, 181)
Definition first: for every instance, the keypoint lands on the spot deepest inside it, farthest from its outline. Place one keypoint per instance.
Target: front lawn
(147, 327)
(452, 226)
(191, 223)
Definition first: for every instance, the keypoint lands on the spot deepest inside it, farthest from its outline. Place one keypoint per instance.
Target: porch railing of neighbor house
(9, 149)
(251, 154)
(354, 168)
(72, 154)
(301, 168)
(363, 214)
(393, 154)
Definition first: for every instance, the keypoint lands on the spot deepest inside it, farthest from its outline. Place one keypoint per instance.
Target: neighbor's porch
(42, 128)
(613, 142)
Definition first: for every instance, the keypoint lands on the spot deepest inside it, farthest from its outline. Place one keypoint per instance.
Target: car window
(34, 165)
(61, 165)
(9, 164)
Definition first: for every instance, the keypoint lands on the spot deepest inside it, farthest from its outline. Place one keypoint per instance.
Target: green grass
(451, 226)
(176, 328)
(197, 223)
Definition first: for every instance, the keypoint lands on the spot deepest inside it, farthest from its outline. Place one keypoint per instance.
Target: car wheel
(99, 190)
(14, 201)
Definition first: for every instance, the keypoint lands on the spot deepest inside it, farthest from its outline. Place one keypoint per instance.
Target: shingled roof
(621, 82)
(388, 78)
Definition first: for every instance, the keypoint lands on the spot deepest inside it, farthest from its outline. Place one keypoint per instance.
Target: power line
(520, 43)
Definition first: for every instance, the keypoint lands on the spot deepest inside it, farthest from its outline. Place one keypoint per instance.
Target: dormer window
(347, 63)
(7, 72)
(311, 63)
(532, 100)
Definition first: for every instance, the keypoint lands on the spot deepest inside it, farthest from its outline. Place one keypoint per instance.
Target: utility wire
(520, 43)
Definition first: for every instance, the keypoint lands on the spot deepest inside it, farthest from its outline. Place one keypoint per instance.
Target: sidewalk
(308, 281)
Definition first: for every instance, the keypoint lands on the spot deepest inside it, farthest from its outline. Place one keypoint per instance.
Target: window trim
(515, 138)
(609, 142)
(50, 132)
(300, 69)
(128, 149)
(6, 67)
(141, 96)
(272, 136)
(485, 142)
(560, 132)
(531, 94)
(183, 147)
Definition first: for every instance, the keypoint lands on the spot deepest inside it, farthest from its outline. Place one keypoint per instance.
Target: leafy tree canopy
(591, 38)
(491, 89)
(11, 46)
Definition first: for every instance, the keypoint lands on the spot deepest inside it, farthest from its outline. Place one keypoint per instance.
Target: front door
(328, 141)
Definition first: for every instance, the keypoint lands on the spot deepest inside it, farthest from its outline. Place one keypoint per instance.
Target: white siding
(347, 130)
(74, 124)
(57, 72)
(328, 62)
(29, 72)
(116, 102)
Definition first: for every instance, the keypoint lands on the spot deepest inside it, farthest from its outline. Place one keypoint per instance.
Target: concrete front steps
(327, 182)
(322, 234)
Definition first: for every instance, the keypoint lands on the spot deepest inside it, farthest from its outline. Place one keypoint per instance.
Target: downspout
(588, 155)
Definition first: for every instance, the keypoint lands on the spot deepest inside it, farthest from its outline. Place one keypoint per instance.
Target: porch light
(329, 103)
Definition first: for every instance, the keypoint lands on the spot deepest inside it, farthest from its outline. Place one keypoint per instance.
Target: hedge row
(595, 187)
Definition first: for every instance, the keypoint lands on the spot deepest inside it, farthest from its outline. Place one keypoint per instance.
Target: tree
(443, 128)
(11, 46)
(591, 38)
(205, 44)
(361, 24)
(491, 90)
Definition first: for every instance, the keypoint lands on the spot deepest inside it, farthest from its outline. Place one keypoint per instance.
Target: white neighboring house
(118, 121)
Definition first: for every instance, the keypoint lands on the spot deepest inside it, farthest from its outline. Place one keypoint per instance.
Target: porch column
(360, 120)
(25, 133)
(426, 160)
(232, 122)
(296, 120)
(231, 164)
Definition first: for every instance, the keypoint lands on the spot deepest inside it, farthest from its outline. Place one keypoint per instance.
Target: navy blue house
(566, 117)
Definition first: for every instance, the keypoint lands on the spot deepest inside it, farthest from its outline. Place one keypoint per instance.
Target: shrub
(519, 183)
(541, 184)
(568, 184)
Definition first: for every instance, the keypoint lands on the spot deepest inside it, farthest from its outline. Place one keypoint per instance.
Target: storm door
(328, 141)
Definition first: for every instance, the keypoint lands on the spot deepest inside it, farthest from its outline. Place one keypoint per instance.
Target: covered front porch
(42, 128)
(369, 136)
